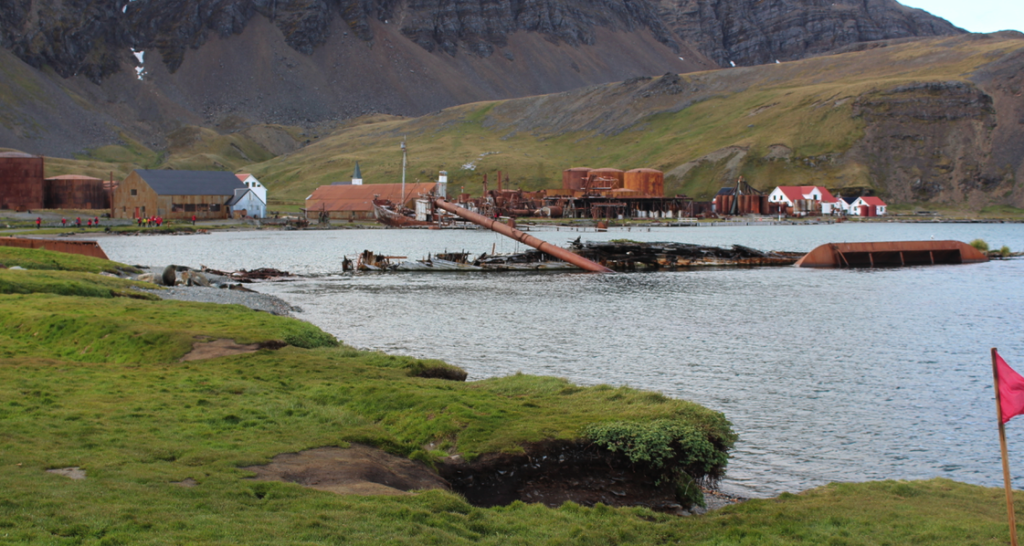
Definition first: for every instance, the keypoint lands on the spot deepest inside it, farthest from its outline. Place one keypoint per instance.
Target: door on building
(136, 213)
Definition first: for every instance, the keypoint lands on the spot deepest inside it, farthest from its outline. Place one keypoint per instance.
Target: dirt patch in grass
(202, 350)
(72, 472)
(357, 470)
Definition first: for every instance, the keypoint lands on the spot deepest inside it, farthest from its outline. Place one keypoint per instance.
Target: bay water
(827, 375)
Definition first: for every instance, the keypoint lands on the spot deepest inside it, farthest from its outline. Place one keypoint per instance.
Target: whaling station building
(354, 200)
(172, 194)
(22, 186)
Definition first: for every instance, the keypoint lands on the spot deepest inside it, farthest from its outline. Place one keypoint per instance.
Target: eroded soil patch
(202, 350)
(550, 473)
(555, 472)
(358, 470)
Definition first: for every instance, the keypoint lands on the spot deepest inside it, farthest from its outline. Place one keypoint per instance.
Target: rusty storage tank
(647, 181)
(21, 181)
(574, 178)
(607, 178)
(75, 191)
(725, 204)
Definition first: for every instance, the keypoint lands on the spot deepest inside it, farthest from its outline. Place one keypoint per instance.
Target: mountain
(936, 123)
(230, 64)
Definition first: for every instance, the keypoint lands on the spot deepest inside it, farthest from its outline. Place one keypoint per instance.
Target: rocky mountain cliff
(91, 37)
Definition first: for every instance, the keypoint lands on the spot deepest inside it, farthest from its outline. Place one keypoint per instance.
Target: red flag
(1011, 390)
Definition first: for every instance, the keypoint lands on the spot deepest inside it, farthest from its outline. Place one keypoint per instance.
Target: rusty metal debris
(624, 255)
(526, 239)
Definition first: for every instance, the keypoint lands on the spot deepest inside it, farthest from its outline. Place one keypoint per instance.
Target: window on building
(190, 208)
(176, 207)
(135, 192)
(215, 207)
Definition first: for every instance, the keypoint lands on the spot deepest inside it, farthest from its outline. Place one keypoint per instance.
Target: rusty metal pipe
(526, 239)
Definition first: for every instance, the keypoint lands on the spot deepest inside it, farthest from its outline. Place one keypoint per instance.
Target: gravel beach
(252, 300)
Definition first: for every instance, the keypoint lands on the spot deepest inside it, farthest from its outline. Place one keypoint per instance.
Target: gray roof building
(168, 182)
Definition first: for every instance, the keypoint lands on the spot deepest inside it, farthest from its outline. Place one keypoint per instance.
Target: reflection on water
(827, 375)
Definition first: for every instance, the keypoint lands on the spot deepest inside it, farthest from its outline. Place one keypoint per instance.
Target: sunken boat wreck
(619, 255)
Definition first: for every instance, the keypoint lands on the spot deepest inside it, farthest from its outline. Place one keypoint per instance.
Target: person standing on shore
(39, 221)
(89, 222)
(64, 222)
(78, 222)
(193, 219)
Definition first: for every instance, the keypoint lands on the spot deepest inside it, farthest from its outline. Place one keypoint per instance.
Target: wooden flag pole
(1002, 447)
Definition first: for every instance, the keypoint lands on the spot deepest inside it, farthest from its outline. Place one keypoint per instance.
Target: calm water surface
(831, 375)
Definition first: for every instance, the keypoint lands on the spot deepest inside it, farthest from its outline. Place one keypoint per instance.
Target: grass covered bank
(95, 381)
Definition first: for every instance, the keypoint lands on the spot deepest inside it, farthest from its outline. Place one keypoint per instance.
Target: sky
(976, 15)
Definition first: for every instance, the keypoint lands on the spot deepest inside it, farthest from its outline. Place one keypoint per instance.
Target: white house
(248, 200)
(789, 194)
(870, 201)
(255, 185)
(846, 203)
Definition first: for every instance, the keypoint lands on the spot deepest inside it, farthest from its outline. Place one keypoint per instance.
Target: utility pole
(404, 153)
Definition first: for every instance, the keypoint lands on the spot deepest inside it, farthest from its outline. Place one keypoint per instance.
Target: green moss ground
(95, 382)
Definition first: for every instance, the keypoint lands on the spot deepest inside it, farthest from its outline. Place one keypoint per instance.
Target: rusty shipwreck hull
(84, 248)
(637, 256)
(892, 254)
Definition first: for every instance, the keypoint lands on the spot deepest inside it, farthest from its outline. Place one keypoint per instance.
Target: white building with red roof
(253, 184)
(870, 201)
(788, 195)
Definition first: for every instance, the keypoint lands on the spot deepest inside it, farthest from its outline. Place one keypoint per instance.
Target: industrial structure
(76, 191)
(21, 181)
(176, 194)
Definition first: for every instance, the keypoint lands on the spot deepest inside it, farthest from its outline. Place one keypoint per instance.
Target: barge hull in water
(892, 254)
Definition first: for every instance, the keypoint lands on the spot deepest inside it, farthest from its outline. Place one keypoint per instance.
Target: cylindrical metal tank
(573, 179)
(647, 181)
(21, 181)
(606, 178)
(75, 191)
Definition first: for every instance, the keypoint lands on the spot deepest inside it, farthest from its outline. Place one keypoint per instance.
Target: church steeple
(357, 176)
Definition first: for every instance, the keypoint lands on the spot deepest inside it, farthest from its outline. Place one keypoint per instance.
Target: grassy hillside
(792, 123)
